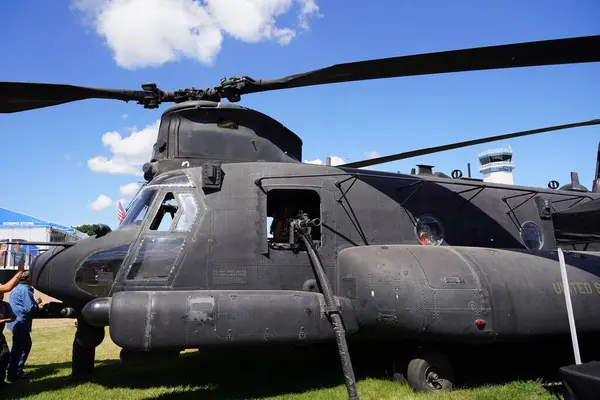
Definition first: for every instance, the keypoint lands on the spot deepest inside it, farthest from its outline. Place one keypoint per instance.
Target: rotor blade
(547, 52)
(430, 150)
(21, 96)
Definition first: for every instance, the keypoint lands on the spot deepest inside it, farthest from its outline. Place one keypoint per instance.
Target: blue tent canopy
(13, 219)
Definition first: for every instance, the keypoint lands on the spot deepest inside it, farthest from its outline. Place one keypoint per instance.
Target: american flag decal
(120, 212)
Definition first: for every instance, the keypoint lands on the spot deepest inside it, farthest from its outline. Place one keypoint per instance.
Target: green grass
(190, 376)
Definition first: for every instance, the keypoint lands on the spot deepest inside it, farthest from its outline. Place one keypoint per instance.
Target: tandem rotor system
(22, 96)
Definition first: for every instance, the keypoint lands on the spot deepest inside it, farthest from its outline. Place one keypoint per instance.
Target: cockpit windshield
(139, 207)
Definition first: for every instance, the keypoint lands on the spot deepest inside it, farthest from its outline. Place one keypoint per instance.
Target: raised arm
(10, 285)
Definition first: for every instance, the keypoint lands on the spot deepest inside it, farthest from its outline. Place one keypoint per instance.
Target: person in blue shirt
(23, 306)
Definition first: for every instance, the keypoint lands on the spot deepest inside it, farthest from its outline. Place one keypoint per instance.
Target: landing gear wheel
(87, 338)
(430, 372)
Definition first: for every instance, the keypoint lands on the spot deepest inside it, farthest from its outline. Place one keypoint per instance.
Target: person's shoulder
(17, 291)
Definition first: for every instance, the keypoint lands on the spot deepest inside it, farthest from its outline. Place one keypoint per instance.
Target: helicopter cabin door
(286, 268)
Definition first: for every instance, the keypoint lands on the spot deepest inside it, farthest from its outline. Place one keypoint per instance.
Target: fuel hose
(335, 317)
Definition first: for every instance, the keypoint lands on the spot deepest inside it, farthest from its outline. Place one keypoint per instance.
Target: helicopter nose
(39, 269)
(83, 271)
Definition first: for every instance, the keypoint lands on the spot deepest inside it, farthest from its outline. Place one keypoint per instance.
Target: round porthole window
(429, 231)
(532, 235)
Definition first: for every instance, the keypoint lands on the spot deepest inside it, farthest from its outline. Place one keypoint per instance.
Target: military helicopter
(357, 256)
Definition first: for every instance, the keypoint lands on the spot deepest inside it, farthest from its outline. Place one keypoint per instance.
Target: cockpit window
(171, 179)
(190, 211)
(156, 257)
(180, 209)
(97, 273)
(139, 208)
(166, 214)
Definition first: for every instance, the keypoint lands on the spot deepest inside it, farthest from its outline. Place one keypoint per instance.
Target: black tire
(430, 372)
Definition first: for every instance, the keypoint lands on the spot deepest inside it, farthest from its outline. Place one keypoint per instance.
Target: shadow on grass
(536, 361)
(246, 374)
(42, 371)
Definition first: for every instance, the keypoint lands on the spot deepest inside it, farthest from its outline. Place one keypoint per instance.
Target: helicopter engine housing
(468, 294)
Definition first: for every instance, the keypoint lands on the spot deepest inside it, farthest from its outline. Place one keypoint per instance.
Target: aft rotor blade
(437, 149)
(548, 52)
(22, 96)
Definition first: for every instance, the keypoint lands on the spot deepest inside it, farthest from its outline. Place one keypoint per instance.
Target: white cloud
(309, 8)
(129, 189)
(144, 33)
(372, 154)
(124, 116)
(128, 153)
(101, 203)
(335, 160)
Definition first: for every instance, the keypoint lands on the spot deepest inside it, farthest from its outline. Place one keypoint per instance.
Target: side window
(166, 213)
(180, 207)
(532, 235)
(283, 205)
(429, 231)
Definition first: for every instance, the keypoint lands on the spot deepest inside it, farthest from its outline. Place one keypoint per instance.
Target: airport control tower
(497, 165)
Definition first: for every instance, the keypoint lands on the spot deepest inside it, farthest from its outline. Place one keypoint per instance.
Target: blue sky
(122, 44)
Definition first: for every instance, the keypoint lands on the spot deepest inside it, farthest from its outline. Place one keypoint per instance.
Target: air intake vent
(425, 169)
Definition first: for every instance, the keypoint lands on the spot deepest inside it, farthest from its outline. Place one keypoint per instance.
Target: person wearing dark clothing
(24, 306)
(6, 315)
